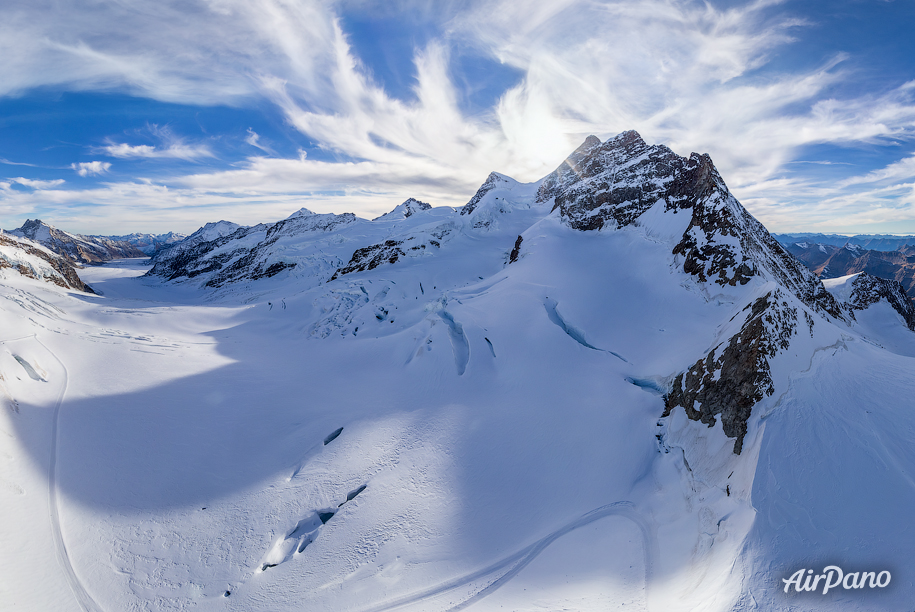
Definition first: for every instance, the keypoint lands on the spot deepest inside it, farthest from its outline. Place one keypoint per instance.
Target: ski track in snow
(516, 562)
(63, 557)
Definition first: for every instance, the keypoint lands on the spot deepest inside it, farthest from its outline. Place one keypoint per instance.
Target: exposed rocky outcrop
(735, 375)
(513, 256)
(77, 248)
(36, 261)
(370, 257)
(614, 184)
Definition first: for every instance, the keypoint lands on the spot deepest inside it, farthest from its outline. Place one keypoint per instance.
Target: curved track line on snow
(516, 562)
(63, 557)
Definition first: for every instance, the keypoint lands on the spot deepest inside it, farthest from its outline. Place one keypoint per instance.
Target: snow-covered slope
(22, 257)
(77, 248)
(608, 389)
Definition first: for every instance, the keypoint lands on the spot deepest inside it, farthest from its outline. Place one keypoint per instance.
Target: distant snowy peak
(237, 254)
(213, 230)
(76, 247)
(147, 243)
(300, 223)
(403, 211)
(860, 291)
(32, 260)
(498, 196)
(492, 181)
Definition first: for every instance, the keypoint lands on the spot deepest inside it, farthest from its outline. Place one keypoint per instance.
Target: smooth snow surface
(502, 446)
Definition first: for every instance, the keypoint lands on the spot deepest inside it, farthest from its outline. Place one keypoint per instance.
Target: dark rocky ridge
(370, 257)
(410, 207)
(488, 185)
(618, 181)
(743, 365)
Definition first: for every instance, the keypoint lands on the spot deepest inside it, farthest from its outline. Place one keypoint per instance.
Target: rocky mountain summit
(77, 248)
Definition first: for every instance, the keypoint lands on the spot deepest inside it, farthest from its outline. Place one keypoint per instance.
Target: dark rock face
(617, 181)
(370, 257)
(391, 251)
(68, 279)
(77, 248)
(513, 256)
(868, 290)
(731, 384)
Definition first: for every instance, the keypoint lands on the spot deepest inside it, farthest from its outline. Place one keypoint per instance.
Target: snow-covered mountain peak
(302, 212)
(34, 229)
(493, 181)
(213, 230)
(408, 208)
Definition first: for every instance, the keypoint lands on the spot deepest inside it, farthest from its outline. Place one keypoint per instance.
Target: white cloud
(254, 139)
(179, 151)
(897, 171)
(91, 168)
(36, 184)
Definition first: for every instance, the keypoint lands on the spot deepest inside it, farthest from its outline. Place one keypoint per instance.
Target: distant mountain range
(77, 248)
(873, 242)
(828, 260)
(147, 243)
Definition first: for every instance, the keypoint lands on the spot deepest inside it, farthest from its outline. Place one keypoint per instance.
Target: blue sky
(129, 116)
